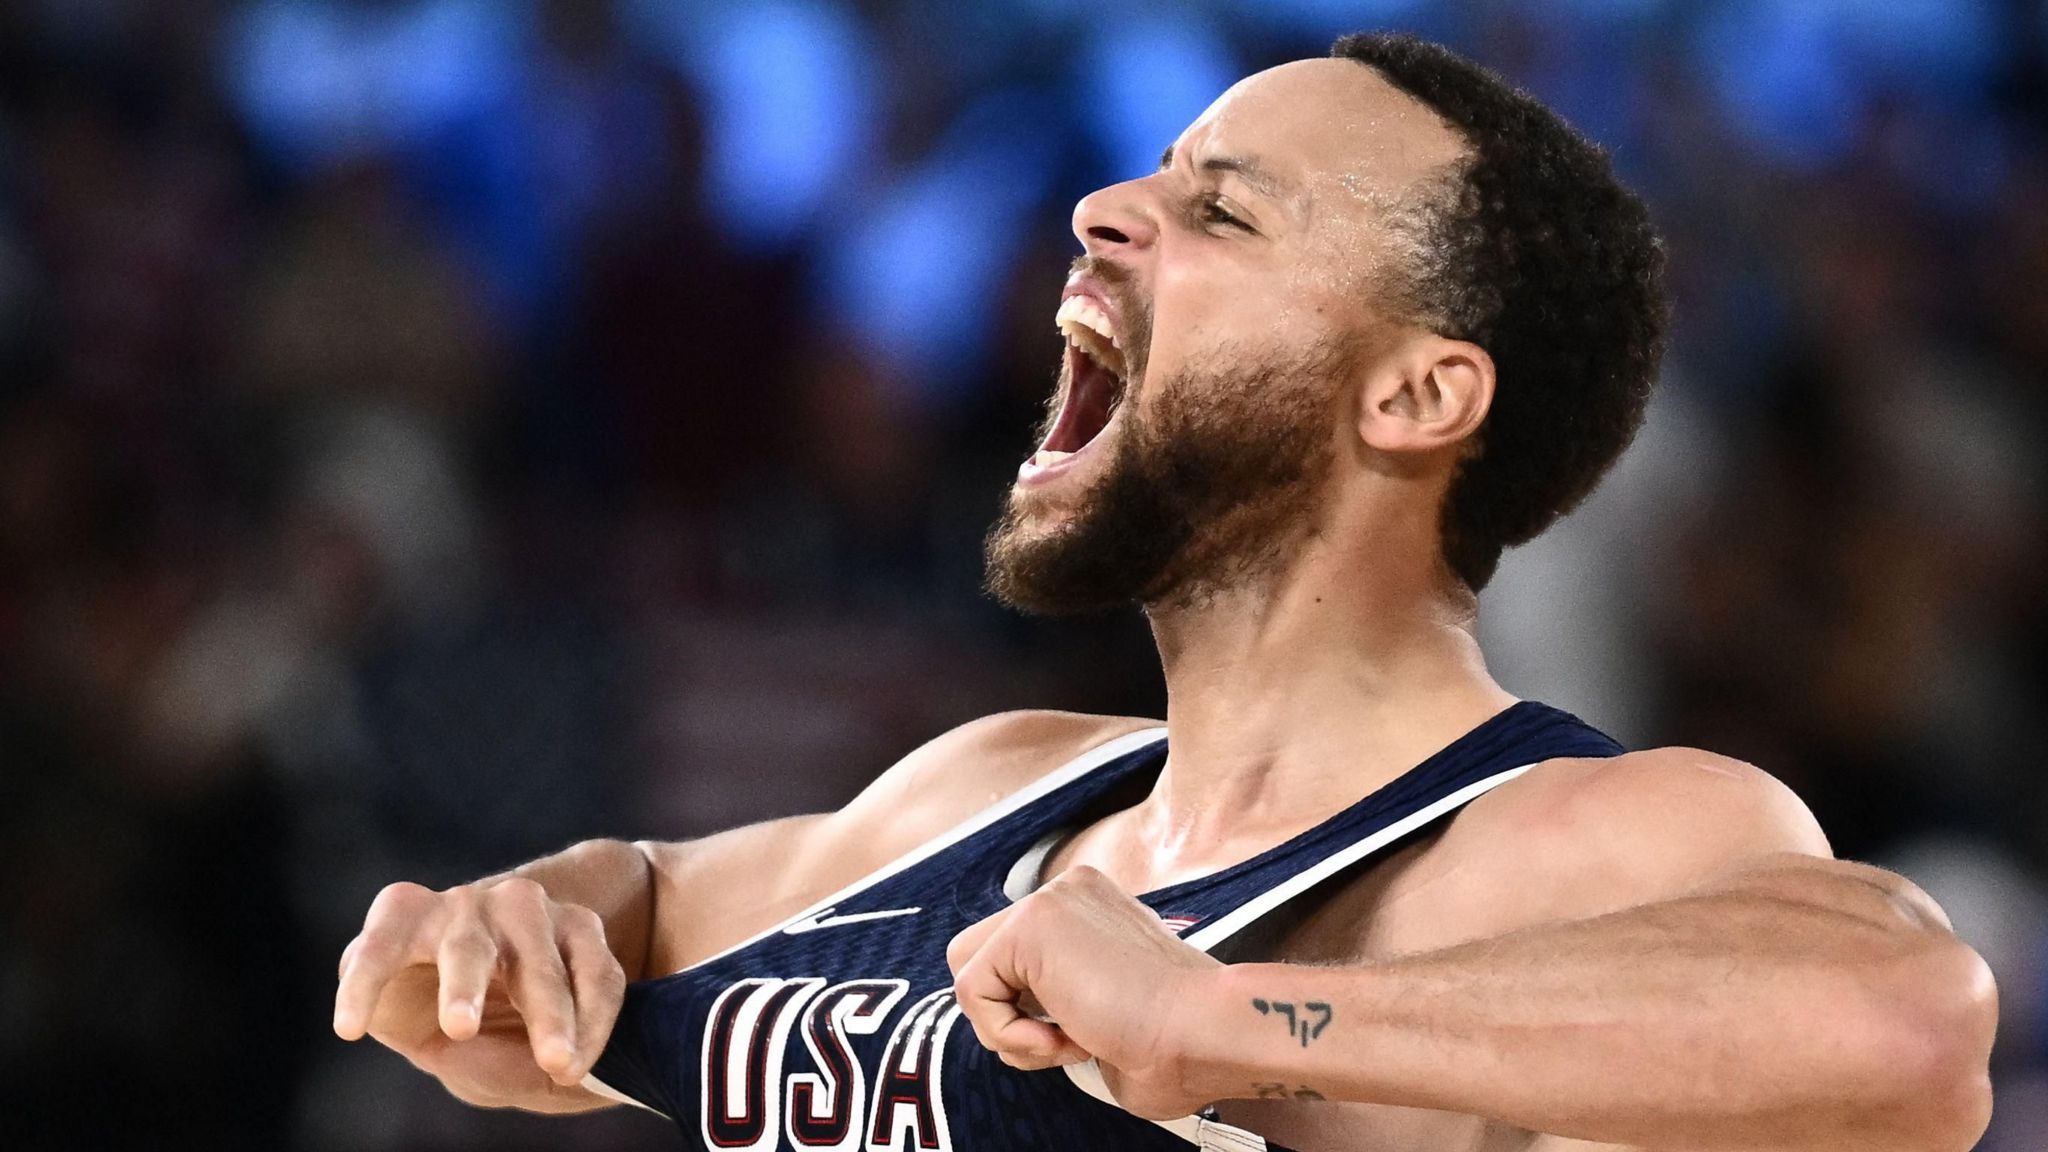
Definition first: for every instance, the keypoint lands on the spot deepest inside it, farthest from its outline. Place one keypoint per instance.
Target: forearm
(1721, 1021)
(671, 903)
(611, 878)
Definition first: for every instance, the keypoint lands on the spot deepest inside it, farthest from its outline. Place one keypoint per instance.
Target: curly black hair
(1534, 251)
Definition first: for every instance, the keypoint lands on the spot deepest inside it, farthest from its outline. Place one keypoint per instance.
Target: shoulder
(1639, 799)
(970, 768)
(1582, 837)
(729, 886)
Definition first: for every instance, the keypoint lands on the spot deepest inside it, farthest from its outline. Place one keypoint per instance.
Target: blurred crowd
(434, 431)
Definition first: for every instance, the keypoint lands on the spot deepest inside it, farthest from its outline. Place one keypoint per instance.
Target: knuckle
(576, 918)
(518, 892)
(400, 900)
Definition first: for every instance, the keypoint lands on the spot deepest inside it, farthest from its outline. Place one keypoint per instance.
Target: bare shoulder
(1580, 837)
(1668, 800)
(714, 892)
(972, 767)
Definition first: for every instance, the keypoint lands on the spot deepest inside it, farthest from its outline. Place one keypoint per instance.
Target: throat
(1144, 852)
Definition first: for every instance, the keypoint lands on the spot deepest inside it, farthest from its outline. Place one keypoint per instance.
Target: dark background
(432, 431)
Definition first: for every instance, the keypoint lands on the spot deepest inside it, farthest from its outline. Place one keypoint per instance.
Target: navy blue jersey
(837, 1029)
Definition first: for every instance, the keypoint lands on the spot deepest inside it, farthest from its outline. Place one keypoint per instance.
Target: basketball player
(1374, 318)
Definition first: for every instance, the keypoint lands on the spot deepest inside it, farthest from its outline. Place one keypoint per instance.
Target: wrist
(1208, 1037)
(1271, 1031)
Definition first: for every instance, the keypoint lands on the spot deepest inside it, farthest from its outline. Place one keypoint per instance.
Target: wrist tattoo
(1304, 1023)
(1277, 1091)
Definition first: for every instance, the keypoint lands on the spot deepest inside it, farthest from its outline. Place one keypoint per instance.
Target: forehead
(1328, 121)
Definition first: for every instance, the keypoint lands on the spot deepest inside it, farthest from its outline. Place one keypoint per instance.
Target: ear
(1430, 393)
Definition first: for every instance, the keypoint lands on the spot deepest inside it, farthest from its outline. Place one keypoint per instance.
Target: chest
(1417, 899)
(1435, 891)
(837, 1029)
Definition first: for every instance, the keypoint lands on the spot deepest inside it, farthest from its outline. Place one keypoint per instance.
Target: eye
(1215, 211)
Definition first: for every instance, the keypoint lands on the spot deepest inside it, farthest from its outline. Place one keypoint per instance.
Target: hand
(500, 992)
(1100, 965)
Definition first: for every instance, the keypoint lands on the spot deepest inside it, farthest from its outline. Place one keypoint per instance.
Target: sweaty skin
(1654, 951)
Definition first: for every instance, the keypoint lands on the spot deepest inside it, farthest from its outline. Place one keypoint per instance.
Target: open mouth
(1094, 381)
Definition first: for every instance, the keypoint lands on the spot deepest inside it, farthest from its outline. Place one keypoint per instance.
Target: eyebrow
(1246, 168)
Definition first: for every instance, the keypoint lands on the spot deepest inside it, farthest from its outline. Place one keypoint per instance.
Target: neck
(1292, 698)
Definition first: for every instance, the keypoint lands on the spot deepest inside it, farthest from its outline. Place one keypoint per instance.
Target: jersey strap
(1498, 751)
(635, 1055)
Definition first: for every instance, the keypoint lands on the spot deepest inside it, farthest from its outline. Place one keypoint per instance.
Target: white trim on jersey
(1073, 770)
(1248, 913)
(1212, 1135)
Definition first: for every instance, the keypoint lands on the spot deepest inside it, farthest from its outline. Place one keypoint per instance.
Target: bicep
(1675, 823)
(1583, 838)
(714, 892)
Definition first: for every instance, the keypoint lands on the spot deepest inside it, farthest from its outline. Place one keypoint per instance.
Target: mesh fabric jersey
(837, 1029)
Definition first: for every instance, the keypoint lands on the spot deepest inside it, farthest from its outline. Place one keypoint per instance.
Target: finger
(971, 938)
(1041, 1053)
(465, 960)
(390, 940)
(536, 977)
(1032, 1044)
(597, 981)
(992, 994)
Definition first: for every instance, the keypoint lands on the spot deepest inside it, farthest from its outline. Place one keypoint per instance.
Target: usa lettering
(747, 1103)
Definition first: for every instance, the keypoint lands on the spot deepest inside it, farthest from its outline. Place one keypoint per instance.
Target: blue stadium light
(918, 271)
(1144, 80)
(789, 101)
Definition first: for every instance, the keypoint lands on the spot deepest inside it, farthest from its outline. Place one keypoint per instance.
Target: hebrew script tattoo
(1278, 1091)
(1305, 1023)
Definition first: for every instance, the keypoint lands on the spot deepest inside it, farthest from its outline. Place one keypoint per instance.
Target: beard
(1208, 491)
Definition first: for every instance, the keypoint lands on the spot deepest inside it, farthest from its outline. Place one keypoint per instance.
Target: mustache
(1120, 284)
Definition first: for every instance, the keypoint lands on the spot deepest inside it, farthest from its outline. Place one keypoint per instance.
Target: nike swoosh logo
(817, 921)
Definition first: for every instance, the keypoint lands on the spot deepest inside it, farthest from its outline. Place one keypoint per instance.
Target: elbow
(1940, 1013)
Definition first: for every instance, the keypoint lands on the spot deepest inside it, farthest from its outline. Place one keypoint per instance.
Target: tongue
(1094, 392)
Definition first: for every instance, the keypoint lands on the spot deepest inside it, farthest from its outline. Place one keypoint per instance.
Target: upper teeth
(1086, 326)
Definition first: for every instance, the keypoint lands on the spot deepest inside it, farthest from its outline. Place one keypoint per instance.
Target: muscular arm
(1797, 1004)
(1663, 956)
(685, 901)
(506, 988)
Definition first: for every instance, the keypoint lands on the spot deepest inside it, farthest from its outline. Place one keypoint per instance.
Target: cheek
(1261, 322)
(1332, 276)
(1209, 313)
(1197, 317)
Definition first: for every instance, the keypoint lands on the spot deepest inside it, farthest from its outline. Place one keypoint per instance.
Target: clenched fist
(1080, 969)
(496, 989)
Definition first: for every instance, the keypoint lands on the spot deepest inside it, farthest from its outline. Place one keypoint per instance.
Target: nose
(1117, 220)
